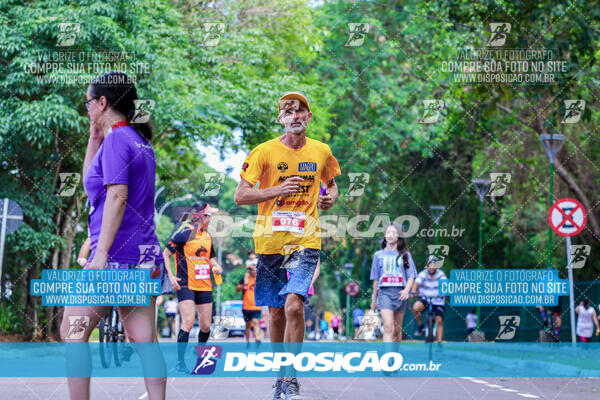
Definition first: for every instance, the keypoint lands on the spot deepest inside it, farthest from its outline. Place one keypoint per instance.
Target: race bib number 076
(288, 221)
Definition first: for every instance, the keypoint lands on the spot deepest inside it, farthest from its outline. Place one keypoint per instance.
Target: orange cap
(293, 96)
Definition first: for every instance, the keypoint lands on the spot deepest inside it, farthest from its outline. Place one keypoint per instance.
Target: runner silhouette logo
(207, 359)
(77, 326)
(573, 111)
(579, 254)
(213, 181)
(499, 183)
(143, 109)
(431, 111)
(221, 326)
(358, 182)
(440, 252)
(508, 326)
(500, 31)
(148, 254)
(358, 33)
(68, 34)
(212, 34)
(68, 183)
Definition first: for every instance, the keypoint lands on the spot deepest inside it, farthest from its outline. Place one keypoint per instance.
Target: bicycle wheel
(118, 339)
(105, 342)
(430, 323)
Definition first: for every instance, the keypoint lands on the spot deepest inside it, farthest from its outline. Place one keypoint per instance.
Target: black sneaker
(291, 389)
(127, 352)
(182, 368)
(420, 331)
(277, 395)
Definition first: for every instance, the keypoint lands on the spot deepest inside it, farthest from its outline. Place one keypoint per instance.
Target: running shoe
(182, 368)
(127, 352)
(278, 394)
(420, 331)
(291, 389)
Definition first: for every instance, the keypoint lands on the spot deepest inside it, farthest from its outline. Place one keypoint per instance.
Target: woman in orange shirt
(251, 311)
(195, 257)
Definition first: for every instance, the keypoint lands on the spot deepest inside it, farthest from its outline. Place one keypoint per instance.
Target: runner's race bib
(202, 271)
(288, 221)
(392, 280)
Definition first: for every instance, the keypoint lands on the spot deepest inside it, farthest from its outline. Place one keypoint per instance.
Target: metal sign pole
(219, 258)
(348, 317)
(571, 294)
(2, 237)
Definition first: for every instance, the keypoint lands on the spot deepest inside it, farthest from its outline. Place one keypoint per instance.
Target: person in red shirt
(335, 324)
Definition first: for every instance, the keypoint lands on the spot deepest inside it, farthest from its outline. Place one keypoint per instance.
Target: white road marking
(494, 386)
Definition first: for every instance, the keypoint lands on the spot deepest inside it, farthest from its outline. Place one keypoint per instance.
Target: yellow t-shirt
(285, 222)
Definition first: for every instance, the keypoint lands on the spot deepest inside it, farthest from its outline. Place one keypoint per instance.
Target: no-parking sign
(567, 217)
(352, 288)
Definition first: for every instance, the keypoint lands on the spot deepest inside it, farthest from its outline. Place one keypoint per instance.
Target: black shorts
(249, 315)
(198, 297)
(171, 315)
(437, 310)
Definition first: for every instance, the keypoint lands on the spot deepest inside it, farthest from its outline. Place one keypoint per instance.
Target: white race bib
(392, 280)
(202, 271)
(288, 221)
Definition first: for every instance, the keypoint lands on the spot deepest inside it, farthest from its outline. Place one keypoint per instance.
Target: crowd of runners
(289, 178)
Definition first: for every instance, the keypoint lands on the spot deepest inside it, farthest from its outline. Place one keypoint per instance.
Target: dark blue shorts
(198, 297)
(272, 285)
(249, 315)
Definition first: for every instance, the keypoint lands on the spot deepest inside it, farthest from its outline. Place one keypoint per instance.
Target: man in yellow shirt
(290, 169)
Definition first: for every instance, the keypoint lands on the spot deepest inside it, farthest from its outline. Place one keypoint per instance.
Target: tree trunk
(31, 330)
(62, 259)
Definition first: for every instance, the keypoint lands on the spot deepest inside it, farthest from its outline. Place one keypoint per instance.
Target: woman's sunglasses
(87, 102)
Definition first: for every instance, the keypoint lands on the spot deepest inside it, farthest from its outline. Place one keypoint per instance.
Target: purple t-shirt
(126, 158)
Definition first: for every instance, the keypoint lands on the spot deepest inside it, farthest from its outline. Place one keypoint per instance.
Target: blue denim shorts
(272, 286)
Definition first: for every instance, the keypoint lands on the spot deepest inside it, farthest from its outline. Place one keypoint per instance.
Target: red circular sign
(352, 288)
(567, 217)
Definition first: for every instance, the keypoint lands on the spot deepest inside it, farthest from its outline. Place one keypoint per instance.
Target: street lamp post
(482, 186)
(552, 144)
(436, 213)
(348, 267)
(159, 214)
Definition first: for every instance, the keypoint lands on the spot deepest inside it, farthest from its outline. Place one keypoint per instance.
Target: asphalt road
(317, 388)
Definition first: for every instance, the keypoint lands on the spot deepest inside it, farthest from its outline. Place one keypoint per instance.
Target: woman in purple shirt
(119, 176)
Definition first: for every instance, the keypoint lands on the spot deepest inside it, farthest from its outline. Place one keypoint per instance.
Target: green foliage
(10, 320)
(229, 283)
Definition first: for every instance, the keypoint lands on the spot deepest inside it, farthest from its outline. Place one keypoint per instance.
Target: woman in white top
(586, 319)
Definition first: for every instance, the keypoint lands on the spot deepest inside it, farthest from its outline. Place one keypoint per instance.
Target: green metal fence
(530, 324)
